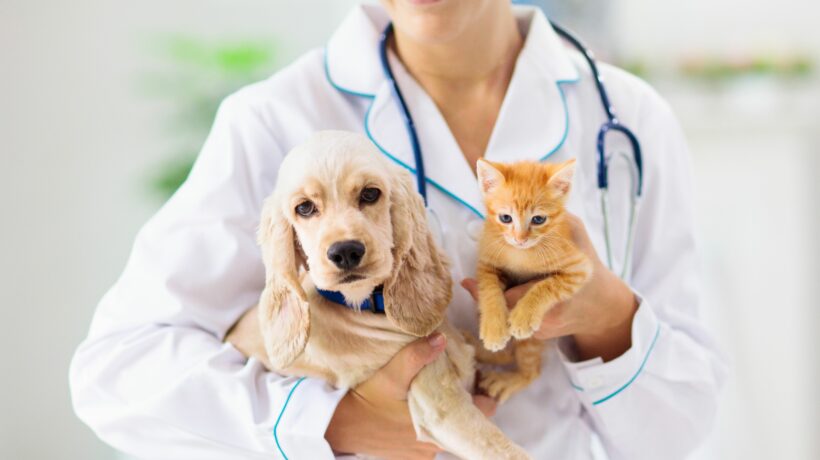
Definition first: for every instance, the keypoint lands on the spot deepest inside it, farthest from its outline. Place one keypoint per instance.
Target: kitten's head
(525, 200)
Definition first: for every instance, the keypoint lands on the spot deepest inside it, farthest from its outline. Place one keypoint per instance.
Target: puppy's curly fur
(306, 335)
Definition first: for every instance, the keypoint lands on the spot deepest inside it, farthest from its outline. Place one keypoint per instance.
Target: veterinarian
(632, 371)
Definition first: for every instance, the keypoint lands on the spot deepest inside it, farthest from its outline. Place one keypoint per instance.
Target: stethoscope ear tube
(634, 204)
(603, 161)
(412, 133)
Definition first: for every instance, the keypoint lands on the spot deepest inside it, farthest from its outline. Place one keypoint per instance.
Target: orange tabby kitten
(526, 237)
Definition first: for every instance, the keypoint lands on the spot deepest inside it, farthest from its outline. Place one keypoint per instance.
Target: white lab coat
(155, 380)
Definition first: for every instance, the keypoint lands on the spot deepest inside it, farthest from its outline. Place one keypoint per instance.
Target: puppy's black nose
(346, 254)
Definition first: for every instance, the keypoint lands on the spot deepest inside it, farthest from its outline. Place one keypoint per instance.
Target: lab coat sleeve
(154, 378)
(658, 400)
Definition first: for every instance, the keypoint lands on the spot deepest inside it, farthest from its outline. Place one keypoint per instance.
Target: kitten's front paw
(525, 320)
(494, 334)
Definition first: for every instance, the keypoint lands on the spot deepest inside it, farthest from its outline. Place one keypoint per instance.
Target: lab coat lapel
(352, 53)
(534, 120)
(352, 65)
(445, 167)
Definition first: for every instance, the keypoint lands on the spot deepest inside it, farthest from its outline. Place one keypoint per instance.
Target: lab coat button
(474, 228)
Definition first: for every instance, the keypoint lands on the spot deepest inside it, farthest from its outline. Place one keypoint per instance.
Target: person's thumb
(402, 369)
(471, 285)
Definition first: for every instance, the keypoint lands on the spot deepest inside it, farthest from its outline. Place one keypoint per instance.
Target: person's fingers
(402, 368)
(422, 451)
(576, 226)
(429, 450)
(485, 404)
(514, 294)
(555, 323)
(471, 286)
(579, 235)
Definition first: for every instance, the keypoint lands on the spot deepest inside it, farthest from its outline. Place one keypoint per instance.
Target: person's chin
(423, 3)
(430, 21)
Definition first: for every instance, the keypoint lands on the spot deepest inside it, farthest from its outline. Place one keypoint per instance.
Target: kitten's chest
(517, 269)
(521, 266)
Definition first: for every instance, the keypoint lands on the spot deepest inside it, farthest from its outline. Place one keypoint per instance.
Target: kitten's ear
(561, 180)
(489, 176)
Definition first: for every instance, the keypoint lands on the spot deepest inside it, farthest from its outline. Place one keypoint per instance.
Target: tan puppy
(344, 218)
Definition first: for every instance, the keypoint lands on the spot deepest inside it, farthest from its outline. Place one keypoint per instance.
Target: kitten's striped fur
(518, 251)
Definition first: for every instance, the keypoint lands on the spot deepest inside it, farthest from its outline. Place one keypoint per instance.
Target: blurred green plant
(721, 70)
(716, 69)
(193, 77)
(635, 67)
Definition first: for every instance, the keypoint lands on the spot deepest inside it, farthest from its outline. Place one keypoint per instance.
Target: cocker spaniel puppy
(345, 220)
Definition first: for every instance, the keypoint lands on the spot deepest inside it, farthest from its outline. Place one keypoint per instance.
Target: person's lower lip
(423, 2)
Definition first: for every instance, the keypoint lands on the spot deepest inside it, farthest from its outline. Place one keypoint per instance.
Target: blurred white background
(80, 139)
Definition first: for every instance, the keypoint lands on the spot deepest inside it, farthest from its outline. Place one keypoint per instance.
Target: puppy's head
(353, 219)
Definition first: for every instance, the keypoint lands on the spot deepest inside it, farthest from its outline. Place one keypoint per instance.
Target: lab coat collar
(352, 53)
(532, 124)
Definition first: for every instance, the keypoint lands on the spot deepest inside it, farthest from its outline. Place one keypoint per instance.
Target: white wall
(754, 143)
(758, 214)
(666, 30)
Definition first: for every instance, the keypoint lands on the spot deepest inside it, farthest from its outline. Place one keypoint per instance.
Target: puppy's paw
(502, 385)
(494, 334)
(525, 320)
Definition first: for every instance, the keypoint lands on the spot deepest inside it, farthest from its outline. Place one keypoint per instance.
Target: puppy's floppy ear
(283, 307)
(420, 287)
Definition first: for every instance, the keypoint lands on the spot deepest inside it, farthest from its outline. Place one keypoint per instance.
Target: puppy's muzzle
(346, 255)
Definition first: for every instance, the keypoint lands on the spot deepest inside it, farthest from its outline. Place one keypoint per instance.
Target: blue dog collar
(375, 303)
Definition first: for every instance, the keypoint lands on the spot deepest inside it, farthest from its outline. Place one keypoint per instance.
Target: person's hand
(374, 418)
(599, 316)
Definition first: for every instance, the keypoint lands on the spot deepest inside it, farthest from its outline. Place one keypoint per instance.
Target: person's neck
(484, 55)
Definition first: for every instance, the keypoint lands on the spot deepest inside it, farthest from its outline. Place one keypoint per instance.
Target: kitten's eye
(306, 209)
(504, 218)
(538, 220)
(370, 195)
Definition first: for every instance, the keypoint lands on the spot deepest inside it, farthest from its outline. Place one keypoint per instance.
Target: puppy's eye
(370, 195)
(306, 209)
(538, 220)
(504, 218)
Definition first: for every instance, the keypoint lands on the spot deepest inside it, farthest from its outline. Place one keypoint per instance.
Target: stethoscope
(612, 124)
